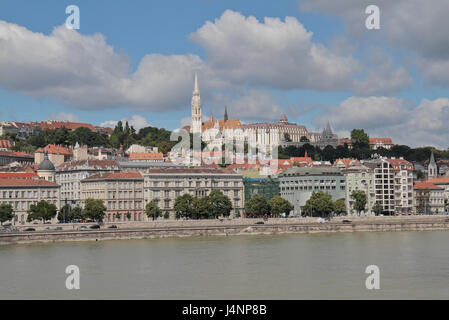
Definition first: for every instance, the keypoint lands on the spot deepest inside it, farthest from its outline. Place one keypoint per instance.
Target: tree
(377, 208)
(6, 213)
(320, 204)
(118, 216)
(217, 205)
(359, 139)
(185, 206)
(340, 206)
(94, 209)
(304, 139)
(152, 210)
(279, 205)
(128, 215)
(360, 201)
(257, 206)
(42, 211)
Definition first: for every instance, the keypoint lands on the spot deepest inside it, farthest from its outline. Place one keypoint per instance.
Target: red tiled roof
(26, 183)
(425, 185)
(397, 163)
(439, 180)
(147, 156)
(52, 125)
(18, 175)
(54, 149)
(380, 140)
(190, 170)
(6, 144)
(16, 154)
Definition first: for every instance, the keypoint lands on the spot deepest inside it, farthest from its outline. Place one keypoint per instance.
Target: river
(413, 265)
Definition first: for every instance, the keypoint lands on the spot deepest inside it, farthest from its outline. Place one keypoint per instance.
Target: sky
(314, 60)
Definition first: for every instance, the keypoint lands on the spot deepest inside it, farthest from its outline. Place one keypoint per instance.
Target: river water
(296, 266)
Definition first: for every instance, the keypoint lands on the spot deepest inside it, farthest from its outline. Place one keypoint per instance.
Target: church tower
(226, 118)
(432, 167)
(197, 116)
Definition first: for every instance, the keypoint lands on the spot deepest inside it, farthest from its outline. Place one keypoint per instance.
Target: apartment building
(22, 192)
(429, 198)
(393, 179)
(70, 174)
(164, 185)
(121, 192)
(359, 178)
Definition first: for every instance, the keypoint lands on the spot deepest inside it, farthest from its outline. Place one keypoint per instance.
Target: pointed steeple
(196, 89)
(211, 118)
(226, 114)
(432, 159)
(432, 169)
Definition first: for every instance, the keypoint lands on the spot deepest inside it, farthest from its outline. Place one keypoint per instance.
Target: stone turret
(46, 170)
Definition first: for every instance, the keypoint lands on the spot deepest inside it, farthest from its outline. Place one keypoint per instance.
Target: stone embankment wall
(159, 229)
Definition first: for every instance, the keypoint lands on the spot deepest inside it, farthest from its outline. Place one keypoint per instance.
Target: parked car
(113, 227)
(83, 228)
(346, 221)
(260, 222)
(29, 230)
(95, 226)
(58, 228)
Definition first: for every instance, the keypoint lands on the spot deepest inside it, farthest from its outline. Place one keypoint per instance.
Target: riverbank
(164, 229)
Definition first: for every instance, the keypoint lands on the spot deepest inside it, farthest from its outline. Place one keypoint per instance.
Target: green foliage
(279, 205)
(377, 208)
(6, 212)
(67, 213)
(339, 206)
(41, 211)
(215, 205)
(359, 198)
(257, 206)
(359, 139)
(94, 209)
(320, 204)
(185, 206)
(152, 210)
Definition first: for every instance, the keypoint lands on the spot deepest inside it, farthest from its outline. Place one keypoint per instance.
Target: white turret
(197, 115)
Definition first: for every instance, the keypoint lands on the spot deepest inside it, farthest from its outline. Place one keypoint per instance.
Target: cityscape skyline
(360, 75)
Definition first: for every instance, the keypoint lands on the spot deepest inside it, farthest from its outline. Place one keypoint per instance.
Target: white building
(359, 178)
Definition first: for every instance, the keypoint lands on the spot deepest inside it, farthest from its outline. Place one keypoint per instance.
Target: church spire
(196, 87)
(226, 114)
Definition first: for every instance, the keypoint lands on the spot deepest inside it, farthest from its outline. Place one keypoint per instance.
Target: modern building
(298, 184)
(267, 187)
(429, 198)
(69, 175)
(393, 180)
(165, 185)
(121, 193)
(22, 193)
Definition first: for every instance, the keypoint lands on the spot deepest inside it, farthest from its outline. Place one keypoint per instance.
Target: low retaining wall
(224, 228)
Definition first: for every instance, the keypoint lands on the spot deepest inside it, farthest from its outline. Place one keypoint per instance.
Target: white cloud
(276, 53)
(137, 121)
(62, 116)
(253, 104)
(411, 24)
(406, 123)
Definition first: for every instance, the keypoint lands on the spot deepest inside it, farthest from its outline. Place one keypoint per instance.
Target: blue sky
(391, 74)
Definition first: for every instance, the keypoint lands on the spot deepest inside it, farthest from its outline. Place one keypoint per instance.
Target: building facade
(22, 193)
(266, 187)
(359, 178)
(164, 186)
(298, 184)
(121, 193)
(69, 175)
(393, 180)
(429, 198)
